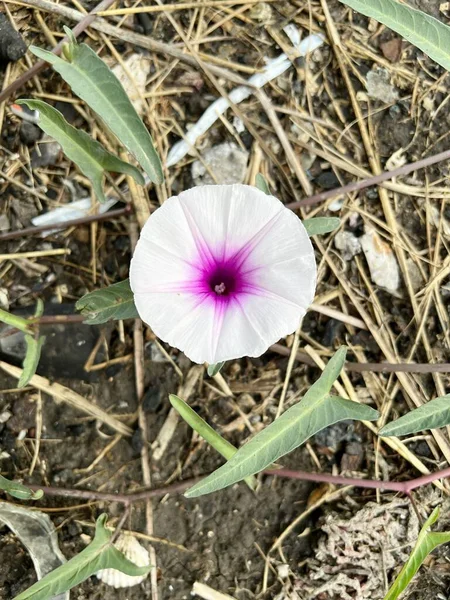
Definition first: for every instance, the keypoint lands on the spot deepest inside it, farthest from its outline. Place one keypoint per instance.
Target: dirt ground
(371, 86)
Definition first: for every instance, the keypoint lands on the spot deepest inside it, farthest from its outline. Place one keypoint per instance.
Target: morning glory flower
(223, 271)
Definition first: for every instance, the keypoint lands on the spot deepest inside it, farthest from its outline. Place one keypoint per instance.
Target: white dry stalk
(201, 590)
(272, 70)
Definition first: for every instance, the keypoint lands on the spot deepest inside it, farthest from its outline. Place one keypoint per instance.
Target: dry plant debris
(318, 124)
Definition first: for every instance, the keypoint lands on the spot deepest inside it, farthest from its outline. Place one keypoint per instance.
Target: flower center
(223, 281)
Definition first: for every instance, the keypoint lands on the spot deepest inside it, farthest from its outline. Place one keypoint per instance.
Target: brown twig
(174, 488)
(387, 367)
(356, 186)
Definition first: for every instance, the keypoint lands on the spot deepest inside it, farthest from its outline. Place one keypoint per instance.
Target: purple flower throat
(221, 279)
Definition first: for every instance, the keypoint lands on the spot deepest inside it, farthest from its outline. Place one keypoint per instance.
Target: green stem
(15, 321)
(211, 436)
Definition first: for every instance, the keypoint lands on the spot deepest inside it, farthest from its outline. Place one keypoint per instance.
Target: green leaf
(261, 184)
(39, 310)
(17, 490)
(31, 360)
(100, 554)
(211, 436)
(432, 415)
(90, 156)
(114, 302)
(214, 369)
(422, 30)
(314, 412)
(426, 543)
(91, 79)
(321, 225)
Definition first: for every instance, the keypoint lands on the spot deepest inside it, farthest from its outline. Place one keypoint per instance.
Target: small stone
(67, 109)
(392, 50)
(29, 133)
(4, 299)
(261, 12)
(227, 161)
(328, 180)
(5, 416)
(379, 86)
(382, 262)
(348, 244)
(46, 153)
(4, 223)
(12, 46)
(283, 571)
(133, 76)
(414, 274)
(152, 400)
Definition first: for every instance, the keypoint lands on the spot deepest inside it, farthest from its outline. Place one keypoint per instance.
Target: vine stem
(356, 186)
(404, 487)
(15, 321)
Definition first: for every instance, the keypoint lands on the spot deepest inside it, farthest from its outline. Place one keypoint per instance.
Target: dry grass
(316, 117)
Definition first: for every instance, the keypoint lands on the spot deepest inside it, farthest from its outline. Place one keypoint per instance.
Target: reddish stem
(404, 487)
(375, 180)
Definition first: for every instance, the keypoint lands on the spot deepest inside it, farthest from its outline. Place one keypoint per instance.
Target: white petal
(188, 324)
(226, 217)
(284, 261)
(155, 268)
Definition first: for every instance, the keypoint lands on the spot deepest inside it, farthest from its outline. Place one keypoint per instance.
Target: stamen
(220, 289)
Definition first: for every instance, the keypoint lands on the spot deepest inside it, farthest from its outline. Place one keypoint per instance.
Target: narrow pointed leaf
(286, 433)
(432, 415)
(313, 413)
(214, 369)
(321, 225)
(205, 430)
(91, 79)
(426, 543)
(17, 490)
(261, 184)
(100, 554)
(329, 375)
(419, 28)
(115, 302)
(90, 156)
(39, 310)
(31, 361)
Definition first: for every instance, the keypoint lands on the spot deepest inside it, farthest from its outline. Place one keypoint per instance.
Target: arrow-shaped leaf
(114, 302)
(91, 79)
(17, 490)
(432, 415)
(261, 184)
(321, 225)
(205, 430)
(422, 30)
(100, 554)
(90, 156)
(215, 368)
(313, 413)
(426, 543)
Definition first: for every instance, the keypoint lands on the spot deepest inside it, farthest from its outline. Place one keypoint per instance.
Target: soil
(224, 538)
